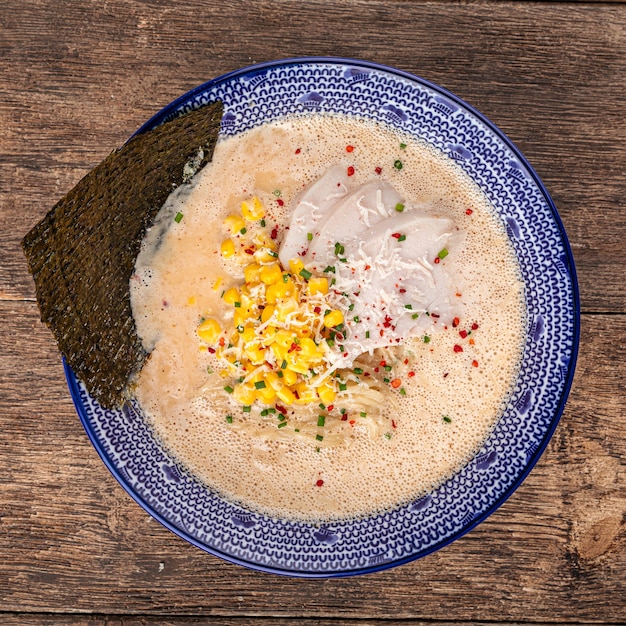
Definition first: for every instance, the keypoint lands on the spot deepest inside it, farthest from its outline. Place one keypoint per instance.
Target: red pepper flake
(274, 232)
(455, 322)
(222, 342)
(349, 148)
(393, 424)
(396, 382)
(376, 369)
(368, 267)
(383, 363)
(351, 422)
(281, 409)
(330, 407)
(435, 315)
(458, 348)
(381, 332)
(402, 290)
(406, 361)
(319, 482)
(396, 235)
(280, 201)
(474, 326)
(211, 350)
(437, 260)
(475, 363)
(317, 310)
(344, 417)
(445, 375)
(379, 170)
(350, 170)
(411, 374)
(298, 150)
(463, 334)
(249, 250)
(468, 211)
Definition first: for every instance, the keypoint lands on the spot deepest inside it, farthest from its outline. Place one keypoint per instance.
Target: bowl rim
(171, 108)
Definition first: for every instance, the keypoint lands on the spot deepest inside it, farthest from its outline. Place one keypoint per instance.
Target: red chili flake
(406, 361)
(274, 232)
(330, 407)
(281, 409)
(475, 363)
(396, 382)
(437, 260)
(468, 211)
(344, 417)
(393, 424)
(445, 375)
(366, 374)
(317, 310)
(292, 347)
(211, 350)
(297, 150)
(402, 290)
(320, 482)
(222, 342)
(368, 267)
(383, 363)
(351, 422)
(387, 322)
(474, 326)
(249, 250)
(379, 170)
(296, 394)
(376, 369)
(280, 201)
(463, 334)
(350, 170)
(455, 322)
(411, 374)
(435, 315)
(396, 235)
(349, 148)
(381, 332)
(458, 348)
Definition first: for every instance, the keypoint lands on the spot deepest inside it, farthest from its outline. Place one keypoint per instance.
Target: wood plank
(71, 537)
(78, 78)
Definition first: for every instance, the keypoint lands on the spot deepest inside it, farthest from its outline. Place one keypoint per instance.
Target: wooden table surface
(77, 78)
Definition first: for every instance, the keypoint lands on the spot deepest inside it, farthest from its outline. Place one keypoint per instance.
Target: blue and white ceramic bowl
(262, 93)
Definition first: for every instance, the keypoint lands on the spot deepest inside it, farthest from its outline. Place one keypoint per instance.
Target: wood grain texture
(79, 78)
(70, 537)
(76, 79)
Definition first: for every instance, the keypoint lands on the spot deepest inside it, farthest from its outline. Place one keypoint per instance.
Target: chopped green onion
(356, 318)
(321, 420)
(262, 223)
(282, 424)
(398, 164)
(443, 254)
(339, 249)
(388, 368)
(229, 419)
(329, 268)
(296, 430)
(358, 370)
(264, 412)
(387, 435)
(281, 417)
(426, 339)
(399, 207)
(367, 334)
(309, 236)
(236, 304)
(259, 384)
(246, 409)
(402, 391)
(228, 389)
(277, 193)
(285, 278)
(305, 274)
(319, 438)
(446, 419)
(244, 230)
(402, 238)
(363, 414)
(283, 365)
(279, 373)
(179, 216)
(273, 254)
(415, 316)
(408, 306)
(402, 146)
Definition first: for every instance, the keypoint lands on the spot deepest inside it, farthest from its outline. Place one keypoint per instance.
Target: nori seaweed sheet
(82, 254)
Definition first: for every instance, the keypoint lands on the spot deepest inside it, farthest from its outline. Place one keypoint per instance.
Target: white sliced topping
(387, 280)
(310, 209)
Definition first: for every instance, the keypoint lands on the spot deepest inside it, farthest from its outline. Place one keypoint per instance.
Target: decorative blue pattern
(263, 93)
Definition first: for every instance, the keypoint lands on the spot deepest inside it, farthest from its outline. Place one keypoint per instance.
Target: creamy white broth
(450, 405)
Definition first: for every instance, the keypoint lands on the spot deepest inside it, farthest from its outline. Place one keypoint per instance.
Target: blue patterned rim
(265, 92)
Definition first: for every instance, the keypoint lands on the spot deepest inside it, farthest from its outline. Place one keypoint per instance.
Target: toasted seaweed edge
(82, 253)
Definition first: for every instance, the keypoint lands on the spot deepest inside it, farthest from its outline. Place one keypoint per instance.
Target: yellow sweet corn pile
(283, 329)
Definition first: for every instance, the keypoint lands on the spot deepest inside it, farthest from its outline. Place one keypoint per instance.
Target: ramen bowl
(267, 92)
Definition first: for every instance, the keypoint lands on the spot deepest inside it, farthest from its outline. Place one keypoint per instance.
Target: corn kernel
(296, 265)
(306, 394)
(334, 318)
(252, 210)
(285, 308)
(273, 380)
(234, 224)
(231, 296)
(218, 283)
(286, 395)
(318, 284)
(255, 354)
(279, 291)
(209, 330)
(251, 273)
(290, 377)
(244, 393)
(266, 395)
(326, 392)
(267, 312)
(270, 274)
(228, 248)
